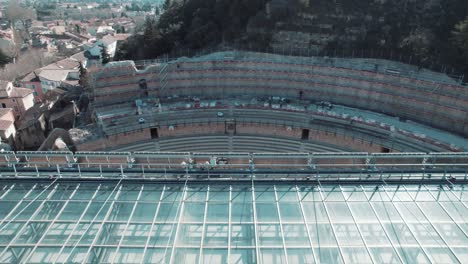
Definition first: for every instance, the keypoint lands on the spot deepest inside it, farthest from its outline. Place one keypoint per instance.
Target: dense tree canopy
(194, 24)
(431, 31)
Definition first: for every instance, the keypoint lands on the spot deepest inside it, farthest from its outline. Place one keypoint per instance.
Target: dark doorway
(305, 134)
(154, 133)
(385, 150)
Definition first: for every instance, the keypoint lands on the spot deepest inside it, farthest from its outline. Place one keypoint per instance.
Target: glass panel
(363, 212)
(434, 211)
(72, 255)
(73, 211)
(129, 255)
(384, 255)
(461, 252)
(49, 210)
(290, 212)
(374, 234)
(18, 192)
(442, 255)
(412, 255)
(348, 235)
(58, 233)
(31, 233)
(196, 195)
(84, 233)
(162, 235)
(96, 211)
(400, 235)
(210, 256)
(266, 212)
(269, 235)
(217, 212)
(243, 256)
(129, 192)
(9, 232)
(272, 256)
(331, 194)
(144, 212)
(172, 193)
(322, 235)
(242, 235)
(456, 210)
(219, 194)
(151, 193)
(216, 235)
(101, 255)
(136, 234)
(264, 194)
(44, 255)
(241, 212)
(309, 194)
(241, 194)
(286, 194)
(426, 234)
(6, 207)
(25, 210)
(111, 234)
(353, 194)
(451, 234)
(121, 211)
(300, 256)
(356, 255)
(339, 212)
(157, 255)
(410, 212)
(193, 212)
(315, 212)
(63, 192)
(295, 235)
(328, 255)
(386, 211)
(186, 255)
(190, 235)
(167, 212)
(85, 192)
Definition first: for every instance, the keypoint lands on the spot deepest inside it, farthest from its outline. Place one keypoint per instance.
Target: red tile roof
(20, 92)
(5, 124)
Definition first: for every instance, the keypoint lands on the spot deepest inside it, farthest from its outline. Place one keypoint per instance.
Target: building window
(33, 86)
(3, 105)
(35, 93)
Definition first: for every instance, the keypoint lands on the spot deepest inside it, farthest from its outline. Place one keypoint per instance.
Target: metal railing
(445, 167)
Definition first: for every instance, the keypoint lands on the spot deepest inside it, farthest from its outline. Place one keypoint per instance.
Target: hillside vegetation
(434, 32)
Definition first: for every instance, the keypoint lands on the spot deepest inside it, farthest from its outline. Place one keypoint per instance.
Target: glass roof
(122, 222)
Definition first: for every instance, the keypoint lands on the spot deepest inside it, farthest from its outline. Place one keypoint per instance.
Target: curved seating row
(224, 143)
(436, 104)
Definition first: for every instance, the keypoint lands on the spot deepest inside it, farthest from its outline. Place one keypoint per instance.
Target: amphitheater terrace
(244, 101)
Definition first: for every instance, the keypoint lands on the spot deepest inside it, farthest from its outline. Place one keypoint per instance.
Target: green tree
(166, 5)
(4, 59)
(460, 37)
(84, 79)
(105, 58)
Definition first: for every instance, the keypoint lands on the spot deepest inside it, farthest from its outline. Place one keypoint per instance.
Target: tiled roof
(3, 87)
(54, 75)
(4, 111)
(20, 92)
(65, 64)
(30, 77)
(5, 124)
